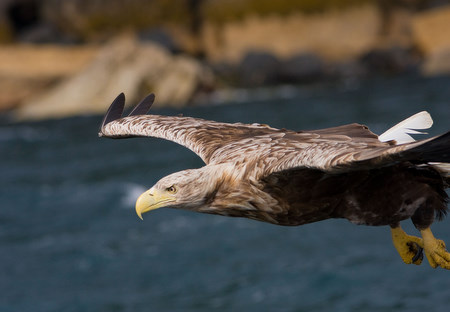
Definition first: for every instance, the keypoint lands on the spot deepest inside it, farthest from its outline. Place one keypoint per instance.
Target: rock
(42, 33)
(83, 93)
(44, 61)
(437, 63)
(6, 34)
(180, 80)
(259, 68)
(161, 37)
(19, 89)
(226, 73)
(27, 70)
(301, 68)
(124, 65)
(349, 72)
(392, 60)
(431, 31)
(335, 35)
(26, 23)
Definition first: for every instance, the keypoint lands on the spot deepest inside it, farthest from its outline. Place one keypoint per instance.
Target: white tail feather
(401, 131)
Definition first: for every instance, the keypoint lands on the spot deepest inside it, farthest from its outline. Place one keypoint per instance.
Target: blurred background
(69, 237)
(195, 51)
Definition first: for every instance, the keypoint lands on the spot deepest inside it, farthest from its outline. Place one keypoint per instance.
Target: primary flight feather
(296, 177)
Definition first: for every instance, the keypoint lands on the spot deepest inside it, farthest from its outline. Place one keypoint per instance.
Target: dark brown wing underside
(372, 197)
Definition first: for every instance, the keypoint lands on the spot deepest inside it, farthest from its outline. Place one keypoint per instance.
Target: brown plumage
(294, 177)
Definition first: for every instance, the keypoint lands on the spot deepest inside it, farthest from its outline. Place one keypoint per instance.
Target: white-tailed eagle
(296, 177)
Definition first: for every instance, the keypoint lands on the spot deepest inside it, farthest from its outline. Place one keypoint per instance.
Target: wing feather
(203, 137)
(267, 150)
(115, 110)
(144, 106)
(334, 156)
(401, 131)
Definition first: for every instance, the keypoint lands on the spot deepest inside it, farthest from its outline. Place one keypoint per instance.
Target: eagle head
(188, 189)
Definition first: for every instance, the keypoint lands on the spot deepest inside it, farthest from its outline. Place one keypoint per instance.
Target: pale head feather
(194, 187)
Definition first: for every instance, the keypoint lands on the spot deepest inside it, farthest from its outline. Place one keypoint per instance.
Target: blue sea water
(71, 241)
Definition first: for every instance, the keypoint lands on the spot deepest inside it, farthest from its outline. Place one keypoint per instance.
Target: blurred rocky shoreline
(42, 77)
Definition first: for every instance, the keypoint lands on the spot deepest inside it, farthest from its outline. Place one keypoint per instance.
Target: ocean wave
(131, 191)
(25, 133)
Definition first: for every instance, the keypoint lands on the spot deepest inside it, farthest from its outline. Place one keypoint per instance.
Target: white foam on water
(130, 194)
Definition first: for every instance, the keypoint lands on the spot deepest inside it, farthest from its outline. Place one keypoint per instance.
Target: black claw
(419, 253)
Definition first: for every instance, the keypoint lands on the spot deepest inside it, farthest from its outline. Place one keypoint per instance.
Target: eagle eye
(171, 189)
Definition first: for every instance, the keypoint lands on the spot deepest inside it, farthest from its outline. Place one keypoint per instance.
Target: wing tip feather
(116, 108)
(144, 106)
(114, 112)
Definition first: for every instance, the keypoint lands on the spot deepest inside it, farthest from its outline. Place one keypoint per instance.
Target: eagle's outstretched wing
(349, 147)
(203, 137)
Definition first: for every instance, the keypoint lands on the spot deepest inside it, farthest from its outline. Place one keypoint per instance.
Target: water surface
(71, 241)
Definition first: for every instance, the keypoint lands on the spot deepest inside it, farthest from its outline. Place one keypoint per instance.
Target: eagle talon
(408, 247)
(435, 250)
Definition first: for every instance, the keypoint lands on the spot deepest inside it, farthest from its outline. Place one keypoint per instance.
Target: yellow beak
(151, 200)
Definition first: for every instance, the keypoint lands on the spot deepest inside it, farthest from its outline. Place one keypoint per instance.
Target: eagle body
(383, 196)
(292, 178)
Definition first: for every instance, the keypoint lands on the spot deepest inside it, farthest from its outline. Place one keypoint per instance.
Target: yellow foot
(408, 247)
(435, 250)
